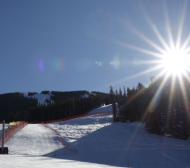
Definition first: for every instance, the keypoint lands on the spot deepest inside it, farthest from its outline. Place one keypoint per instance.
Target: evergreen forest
(18, 107)
(164, 106)
(15, 105)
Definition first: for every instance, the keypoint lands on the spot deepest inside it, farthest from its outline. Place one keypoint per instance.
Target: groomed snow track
(100, 142)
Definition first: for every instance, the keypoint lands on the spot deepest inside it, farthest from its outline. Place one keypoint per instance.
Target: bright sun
(176, 61)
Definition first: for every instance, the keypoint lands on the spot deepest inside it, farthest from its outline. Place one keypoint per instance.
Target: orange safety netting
(66, 146)
(12, 130)
(70, 118)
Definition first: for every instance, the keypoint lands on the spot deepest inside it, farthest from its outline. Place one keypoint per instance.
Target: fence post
(3, 132)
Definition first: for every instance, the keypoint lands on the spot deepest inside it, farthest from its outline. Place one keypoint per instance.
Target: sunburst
(176, 61)
(172, 59)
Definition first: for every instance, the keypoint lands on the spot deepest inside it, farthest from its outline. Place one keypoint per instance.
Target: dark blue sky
(67, 45)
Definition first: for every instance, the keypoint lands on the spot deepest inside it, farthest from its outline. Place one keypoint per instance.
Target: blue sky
(67, 45)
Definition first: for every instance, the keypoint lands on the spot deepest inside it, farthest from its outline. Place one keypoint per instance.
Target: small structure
(4, 151)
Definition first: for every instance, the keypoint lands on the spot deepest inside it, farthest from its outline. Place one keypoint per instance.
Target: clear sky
(66, 45)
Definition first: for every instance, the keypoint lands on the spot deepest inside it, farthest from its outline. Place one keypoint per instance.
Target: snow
(100, 143)
(85, 96)
(21, 161)
(34, 139)
(6, 126)
(42, 98)
(102, 109)
(168, 135)
(93, 94)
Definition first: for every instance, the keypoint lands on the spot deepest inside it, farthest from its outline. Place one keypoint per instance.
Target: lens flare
(99, 63)
(41, 65)
(116, 62)
(58, 64)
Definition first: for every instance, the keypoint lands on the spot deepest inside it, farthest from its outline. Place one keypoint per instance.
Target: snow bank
(102, 109)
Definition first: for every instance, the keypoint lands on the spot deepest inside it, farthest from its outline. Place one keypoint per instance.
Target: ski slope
(100, 143)
(120, 144)
(34, 139)
(42, 98)
(102, 109)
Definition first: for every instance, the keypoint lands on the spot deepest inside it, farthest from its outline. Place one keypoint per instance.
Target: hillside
(46, 97)
(100, 143)
(20, 106)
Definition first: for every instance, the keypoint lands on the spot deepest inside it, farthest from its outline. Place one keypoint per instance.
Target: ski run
(100, 144)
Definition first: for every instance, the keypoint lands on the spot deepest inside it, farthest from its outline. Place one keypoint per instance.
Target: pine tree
(116, 96)
(112, 98)
(124, 92)
(120, 93)
(139, 87)
(116, 92)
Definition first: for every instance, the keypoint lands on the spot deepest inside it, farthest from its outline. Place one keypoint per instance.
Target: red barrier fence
(67, 147)
(12, 130)
(73, 117)
(69, 118)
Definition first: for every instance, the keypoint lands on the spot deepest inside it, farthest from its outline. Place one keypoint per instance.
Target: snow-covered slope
(42, 98)
(100, 143)
(85, 96)
(22, 161)
(93, 94)
(102, 109)
(34, 139)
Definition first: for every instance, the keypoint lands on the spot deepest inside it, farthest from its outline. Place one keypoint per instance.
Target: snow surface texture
(100, 142)
(21, 161)
(42, 98)
(102, 109)
(34, 139)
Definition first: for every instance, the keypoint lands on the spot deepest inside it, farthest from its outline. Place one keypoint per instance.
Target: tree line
(163, 106)
(12, 104)
(60, 109)
(63, 109)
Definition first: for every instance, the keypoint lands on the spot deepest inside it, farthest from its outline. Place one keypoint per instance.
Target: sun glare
(176, 61)
(172, 57)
